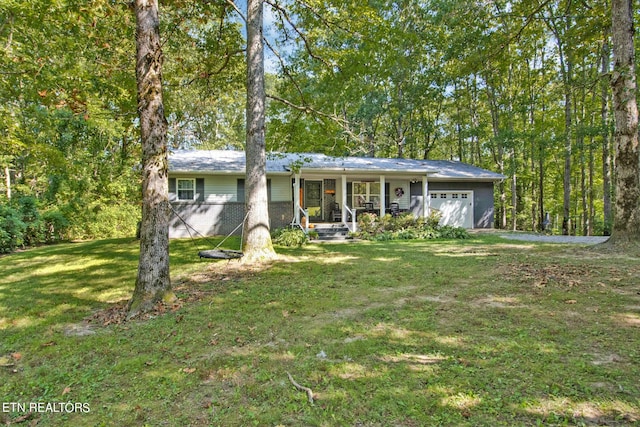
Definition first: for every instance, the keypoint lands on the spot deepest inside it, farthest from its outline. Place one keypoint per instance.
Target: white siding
(405, 200)
(281, 189)
(223, 188)
(220, 189)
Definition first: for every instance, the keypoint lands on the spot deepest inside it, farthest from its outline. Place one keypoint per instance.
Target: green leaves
(68, 116)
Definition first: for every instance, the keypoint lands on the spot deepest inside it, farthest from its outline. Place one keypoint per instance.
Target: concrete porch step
(331, 231)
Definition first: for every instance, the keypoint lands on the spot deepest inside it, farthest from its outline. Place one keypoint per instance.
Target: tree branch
(237, 9)
(343, 123)
(307, 109)
(326, 22)
(284, 14)
(301, 388)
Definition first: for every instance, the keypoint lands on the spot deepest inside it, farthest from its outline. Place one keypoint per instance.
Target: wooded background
(518, 87)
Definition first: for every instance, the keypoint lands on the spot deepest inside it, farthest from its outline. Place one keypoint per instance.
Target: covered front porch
(342, 198)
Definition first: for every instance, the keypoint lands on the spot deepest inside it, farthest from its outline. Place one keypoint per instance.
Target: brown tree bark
(626, 226)
(153, 283)
(559, 29)
(606, 141)
(257, 243)
(568, 123)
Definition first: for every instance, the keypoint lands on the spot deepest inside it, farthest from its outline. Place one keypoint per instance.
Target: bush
(405, 227)
(56, 226)
(23, 225)
(12, 229)
(368, 224)
(383, 237)
(408, 221)
(291, 237)
(408, 234)
(449, 232)
(433, 220)
(102, 219)
(34, 232)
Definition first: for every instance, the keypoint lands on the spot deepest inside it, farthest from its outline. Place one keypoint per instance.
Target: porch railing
(352, 213)
(305, 214)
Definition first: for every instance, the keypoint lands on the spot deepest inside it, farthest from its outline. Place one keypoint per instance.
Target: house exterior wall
(281, 189)
(404, 201)
(220, 189)
(218, 211)
(217, 189)
(483, 207)
(214, 219)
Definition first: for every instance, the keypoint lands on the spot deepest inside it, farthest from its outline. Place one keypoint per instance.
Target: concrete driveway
(581, 240)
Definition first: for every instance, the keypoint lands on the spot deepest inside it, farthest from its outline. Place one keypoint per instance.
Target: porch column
(343, 205)
(383, 202)
(426, 198)
(296, 199)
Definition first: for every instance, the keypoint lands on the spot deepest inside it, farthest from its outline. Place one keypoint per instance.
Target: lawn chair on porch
(368, 207)
(336, 212)
(394, 209)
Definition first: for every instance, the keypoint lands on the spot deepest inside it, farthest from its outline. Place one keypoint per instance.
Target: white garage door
(456, 207)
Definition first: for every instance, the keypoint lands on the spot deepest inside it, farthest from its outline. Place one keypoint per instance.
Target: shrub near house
(406, 227)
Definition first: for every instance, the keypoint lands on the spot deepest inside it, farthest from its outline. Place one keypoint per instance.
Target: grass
(480, 332)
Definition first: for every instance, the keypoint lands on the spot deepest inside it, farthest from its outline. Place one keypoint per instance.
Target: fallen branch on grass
(301, 388)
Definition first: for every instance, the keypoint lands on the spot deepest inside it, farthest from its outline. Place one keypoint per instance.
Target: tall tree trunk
(7, 177)
(592, 190)
(566, 69)
(498, 155)
(153, 283)
(458, 125)
(606, 141)
(257, 238)
(514, 195)
(541, 157)
(626, 226)
(566, 183)
(401, 137)
(580, 115)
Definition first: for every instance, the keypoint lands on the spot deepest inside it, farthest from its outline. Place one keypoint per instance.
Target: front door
(313, 199)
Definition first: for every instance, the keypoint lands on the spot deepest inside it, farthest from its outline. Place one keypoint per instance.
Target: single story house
(206, 190)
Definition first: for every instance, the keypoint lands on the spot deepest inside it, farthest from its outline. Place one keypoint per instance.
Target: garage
(456, 207)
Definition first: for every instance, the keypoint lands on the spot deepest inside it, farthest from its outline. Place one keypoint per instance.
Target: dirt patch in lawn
(549, 274)
(192, 288)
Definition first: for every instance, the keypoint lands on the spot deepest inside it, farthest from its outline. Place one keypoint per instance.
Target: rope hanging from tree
(216, 252)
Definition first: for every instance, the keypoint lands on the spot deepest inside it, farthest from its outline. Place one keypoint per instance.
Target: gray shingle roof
(221, 161)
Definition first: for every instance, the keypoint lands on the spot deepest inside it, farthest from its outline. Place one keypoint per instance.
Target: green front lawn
(480, 332)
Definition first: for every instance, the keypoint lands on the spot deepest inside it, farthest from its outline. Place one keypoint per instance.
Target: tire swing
(229, 254)
(220, 254)
(216, 252)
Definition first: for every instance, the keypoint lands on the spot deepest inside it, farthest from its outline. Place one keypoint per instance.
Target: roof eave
(369, 171)
(223, 172)
(466, 179)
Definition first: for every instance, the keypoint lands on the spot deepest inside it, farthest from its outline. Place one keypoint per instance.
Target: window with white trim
(364, 192)
(186, 188)
(464, 195)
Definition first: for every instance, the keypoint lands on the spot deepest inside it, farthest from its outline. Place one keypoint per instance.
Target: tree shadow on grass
(45, 286)
(384, 334)
(63, 283)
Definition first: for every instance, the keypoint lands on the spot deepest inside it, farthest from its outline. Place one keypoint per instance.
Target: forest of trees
(520, 87)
